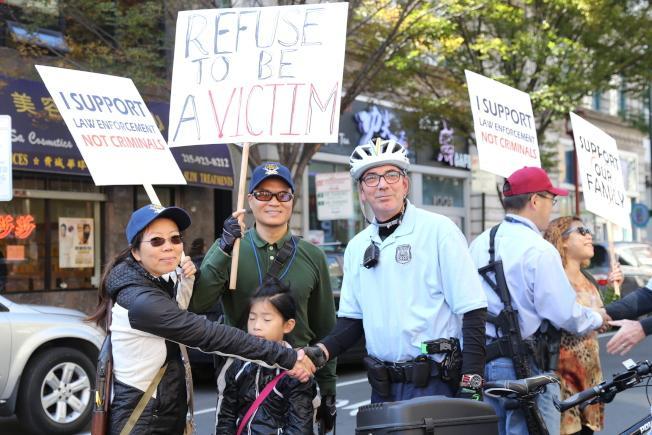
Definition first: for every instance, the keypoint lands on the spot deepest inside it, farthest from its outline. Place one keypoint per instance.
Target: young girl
(288, 409)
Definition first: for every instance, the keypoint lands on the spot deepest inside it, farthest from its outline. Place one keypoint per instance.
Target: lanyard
(260, 272)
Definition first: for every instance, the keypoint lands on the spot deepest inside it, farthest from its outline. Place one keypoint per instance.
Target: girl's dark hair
(278, 294)
(104, 300)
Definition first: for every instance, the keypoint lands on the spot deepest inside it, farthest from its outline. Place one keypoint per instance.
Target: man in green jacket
(271, 198)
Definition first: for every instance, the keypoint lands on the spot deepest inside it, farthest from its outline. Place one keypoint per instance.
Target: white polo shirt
(535, 277)
(423, 283)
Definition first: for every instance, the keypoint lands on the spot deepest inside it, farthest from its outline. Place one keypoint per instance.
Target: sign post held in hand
(601, 176)
(505, 132)
(251, 75)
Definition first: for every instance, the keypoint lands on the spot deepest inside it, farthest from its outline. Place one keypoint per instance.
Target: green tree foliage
(112, 37)
(558, 51)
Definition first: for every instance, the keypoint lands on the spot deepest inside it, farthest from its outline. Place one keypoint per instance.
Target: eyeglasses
(552, 198)
(160, 241)
(373, 180)
(582, 230)
(265, 195)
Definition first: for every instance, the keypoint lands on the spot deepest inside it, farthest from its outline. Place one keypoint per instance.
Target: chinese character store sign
(22, 226)
(374, 122)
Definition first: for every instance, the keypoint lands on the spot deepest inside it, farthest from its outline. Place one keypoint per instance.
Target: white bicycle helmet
(383, 152)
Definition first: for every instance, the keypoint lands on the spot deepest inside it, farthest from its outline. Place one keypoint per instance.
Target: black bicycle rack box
(436, 415)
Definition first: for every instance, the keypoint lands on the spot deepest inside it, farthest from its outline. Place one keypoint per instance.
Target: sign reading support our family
(270, 74)
(113, 129)
(600, 172)
(504, 126)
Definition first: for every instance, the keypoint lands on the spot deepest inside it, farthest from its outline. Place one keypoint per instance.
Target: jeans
(512, 421)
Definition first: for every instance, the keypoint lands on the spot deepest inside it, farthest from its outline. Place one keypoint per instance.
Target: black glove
(316, 355)
(326, 413)
(230, 232)
(469, 393)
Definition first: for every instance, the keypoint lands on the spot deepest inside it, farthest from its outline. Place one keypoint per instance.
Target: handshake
(309, 360)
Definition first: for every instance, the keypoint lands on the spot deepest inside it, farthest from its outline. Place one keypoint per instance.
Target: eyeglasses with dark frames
(265, 195)
(552, 198)
(160, 241)
(373, 179)
(583, 231)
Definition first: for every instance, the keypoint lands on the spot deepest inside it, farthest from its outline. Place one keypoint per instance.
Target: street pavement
(353, 391)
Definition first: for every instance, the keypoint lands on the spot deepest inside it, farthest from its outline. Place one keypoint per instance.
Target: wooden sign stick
(612, 255)
(235, 254)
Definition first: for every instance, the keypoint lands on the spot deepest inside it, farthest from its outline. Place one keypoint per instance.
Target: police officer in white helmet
(410, 287)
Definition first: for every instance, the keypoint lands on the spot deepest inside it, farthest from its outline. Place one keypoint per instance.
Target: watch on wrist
(474, 382)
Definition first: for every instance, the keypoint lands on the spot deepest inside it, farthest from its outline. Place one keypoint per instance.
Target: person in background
(288, 409)
(196, 252)
(141, 284)
(538, 288)
(270, 249)
(579, 356)
(625, 313)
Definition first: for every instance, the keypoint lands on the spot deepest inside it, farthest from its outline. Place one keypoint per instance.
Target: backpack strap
(261, 397)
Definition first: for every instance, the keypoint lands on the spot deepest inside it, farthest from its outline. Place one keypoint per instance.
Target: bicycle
(607, 390)
(523, 392)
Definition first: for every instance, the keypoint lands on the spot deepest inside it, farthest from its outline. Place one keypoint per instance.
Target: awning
(42, 143)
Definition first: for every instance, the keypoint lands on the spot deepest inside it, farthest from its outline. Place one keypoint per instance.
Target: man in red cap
(537, 289)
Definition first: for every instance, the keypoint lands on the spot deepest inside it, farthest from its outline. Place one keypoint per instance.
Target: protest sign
(334, 196)
(270, 74)
(505, 132)
(600, 172)
(115, 133)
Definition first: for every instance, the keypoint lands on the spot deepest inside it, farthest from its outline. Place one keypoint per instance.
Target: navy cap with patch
(270, 170)
(147, 214)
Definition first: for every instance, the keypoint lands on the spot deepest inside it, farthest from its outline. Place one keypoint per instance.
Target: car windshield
(334, 271)
(637, 255)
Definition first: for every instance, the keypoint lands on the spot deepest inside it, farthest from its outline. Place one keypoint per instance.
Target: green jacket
(307, 276)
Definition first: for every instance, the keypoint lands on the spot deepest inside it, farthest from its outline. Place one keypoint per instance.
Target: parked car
(635, 261)
(47, 367)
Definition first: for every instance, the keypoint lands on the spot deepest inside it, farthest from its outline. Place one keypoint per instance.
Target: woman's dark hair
(555, 235)
(278, 294)
(104, 300)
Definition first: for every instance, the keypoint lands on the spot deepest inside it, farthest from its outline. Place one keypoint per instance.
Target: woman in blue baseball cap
(141, 286)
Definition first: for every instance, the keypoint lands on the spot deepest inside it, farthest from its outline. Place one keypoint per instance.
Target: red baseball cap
(530, 180)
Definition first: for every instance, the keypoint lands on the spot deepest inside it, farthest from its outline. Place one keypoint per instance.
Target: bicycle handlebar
(606, 390)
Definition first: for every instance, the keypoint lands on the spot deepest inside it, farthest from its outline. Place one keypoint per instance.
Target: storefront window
(441, 191)
(73, 244)
(47, 243)
(22, 245)
(337, 231)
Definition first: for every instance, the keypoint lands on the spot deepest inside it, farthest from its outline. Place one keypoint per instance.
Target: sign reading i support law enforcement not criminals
(113, 129)
(504, 126)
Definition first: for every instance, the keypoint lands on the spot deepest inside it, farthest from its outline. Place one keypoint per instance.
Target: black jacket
(635, 304)
(150, 307)
(287, 410)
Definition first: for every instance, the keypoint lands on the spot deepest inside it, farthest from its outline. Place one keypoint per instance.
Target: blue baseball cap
(145, 215)
(269, 170)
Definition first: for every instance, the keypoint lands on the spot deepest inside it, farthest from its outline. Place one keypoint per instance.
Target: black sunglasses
(160, 241)
(582, 230)
(265, 195)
